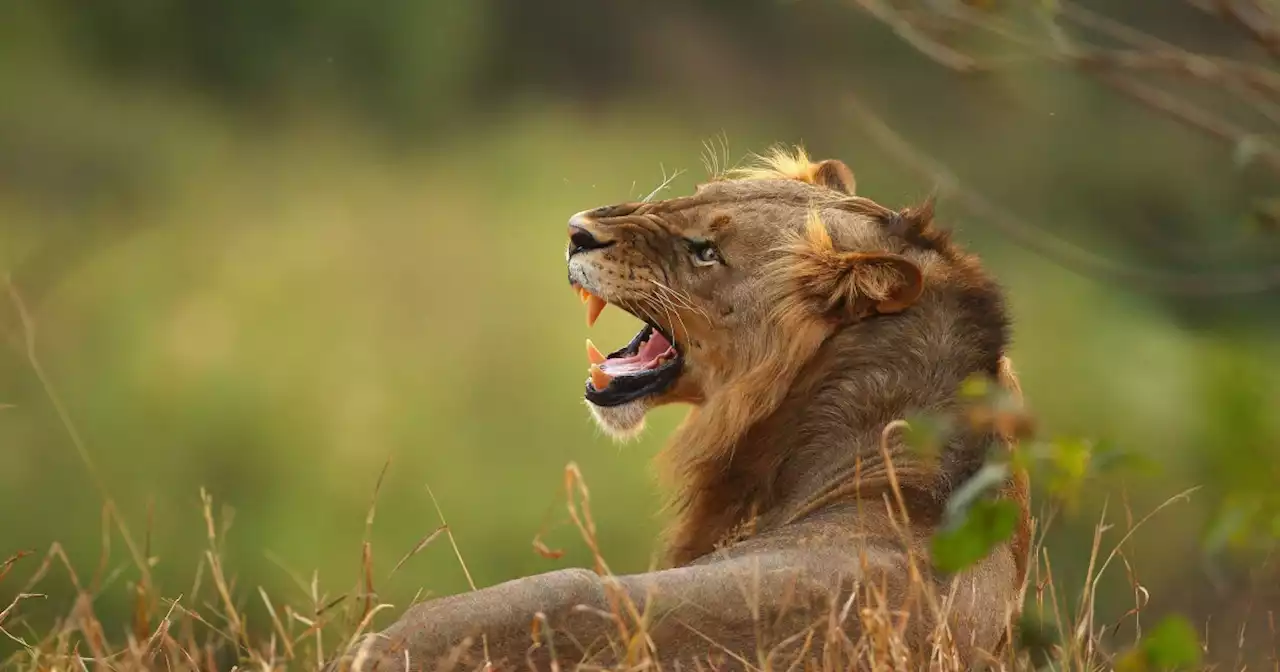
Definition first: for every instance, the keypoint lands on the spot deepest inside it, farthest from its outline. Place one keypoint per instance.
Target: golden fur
(828, 318)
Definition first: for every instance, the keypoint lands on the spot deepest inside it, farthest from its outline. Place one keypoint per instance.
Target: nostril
(581, 240)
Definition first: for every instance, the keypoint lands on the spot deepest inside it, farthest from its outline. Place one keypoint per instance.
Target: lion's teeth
(593, 355)
(663, 359)
(595, 305)
(599, 379)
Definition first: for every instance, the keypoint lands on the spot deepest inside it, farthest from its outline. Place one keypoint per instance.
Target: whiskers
(655, 307)
(671, 303)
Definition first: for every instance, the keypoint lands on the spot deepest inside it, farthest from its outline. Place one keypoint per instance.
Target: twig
(1176, 58)
(937, 51)
(1256, 22)
(1251, 83)
(366, 548)
(1195, 117)
(1183, 63)
(1044, 243)
(484, 638)
(1107, 66)
(417, 548)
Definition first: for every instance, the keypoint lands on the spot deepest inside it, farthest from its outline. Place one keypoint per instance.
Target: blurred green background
(269, 246)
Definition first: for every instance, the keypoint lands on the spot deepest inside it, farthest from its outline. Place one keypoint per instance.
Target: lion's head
(741, 282)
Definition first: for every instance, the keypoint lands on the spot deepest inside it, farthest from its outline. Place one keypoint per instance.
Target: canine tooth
(599, 379)
(595, 304)
(593, 355)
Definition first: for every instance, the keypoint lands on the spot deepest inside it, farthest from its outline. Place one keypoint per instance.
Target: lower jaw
(626, 390)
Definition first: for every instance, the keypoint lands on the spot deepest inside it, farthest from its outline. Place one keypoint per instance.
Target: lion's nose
(581, 239)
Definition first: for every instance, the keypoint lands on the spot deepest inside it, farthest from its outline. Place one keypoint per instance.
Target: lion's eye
(704, 253)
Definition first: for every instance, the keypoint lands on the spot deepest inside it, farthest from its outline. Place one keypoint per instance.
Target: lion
(801, 323)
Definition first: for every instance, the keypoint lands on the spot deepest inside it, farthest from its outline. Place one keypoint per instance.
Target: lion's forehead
(753, 215)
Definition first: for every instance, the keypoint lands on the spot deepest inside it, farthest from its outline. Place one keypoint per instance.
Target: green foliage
(974, 523)
(1171, 645)
(984, 525)
(988, 479)
(925, 433)
(1065, 466)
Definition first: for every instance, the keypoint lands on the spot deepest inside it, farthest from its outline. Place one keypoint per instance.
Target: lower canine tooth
(593, 355)
(599, 379)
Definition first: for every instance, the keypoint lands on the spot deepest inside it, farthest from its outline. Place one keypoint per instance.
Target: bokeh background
(268, 246)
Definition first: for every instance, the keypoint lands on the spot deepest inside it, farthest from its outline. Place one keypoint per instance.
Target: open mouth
(648, 365)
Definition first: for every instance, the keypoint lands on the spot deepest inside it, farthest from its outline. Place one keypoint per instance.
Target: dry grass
(207, 626)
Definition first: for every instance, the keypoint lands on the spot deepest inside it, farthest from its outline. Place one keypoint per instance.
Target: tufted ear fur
(852, 285)
(881, 283)
(834, 174)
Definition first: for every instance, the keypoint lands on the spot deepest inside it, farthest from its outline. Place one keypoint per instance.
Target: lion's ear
(853, 285)
(880, 283)
(834, 174)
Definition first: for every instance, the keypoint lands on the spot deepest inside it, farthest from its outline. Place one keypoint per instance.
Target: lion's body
(799, 351)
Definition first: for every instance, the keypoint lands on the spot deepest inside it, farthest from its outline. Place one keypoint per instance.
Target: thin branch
(1257, 22)
(1249, 82)
(1190, 115)
(1044, 243)
(919, 39)
(1184, 63)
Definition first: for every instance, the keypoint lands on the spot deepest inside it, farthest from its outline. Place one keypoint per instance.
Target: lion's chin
(622, 422)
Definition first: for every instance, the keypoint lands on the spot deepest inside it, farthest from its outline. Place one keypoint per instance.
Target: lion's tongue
(651, 355)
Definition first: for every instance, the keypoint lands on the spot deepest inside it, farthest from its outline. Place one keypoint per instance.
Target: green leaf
(986, 524)
(924, 434)
(988, 479)
(1173, 644)
(1069, 462)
